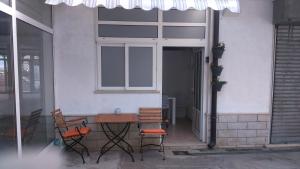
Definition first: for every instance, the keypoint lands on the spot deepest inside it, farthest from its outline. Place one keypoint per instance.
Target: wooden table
(116, 138)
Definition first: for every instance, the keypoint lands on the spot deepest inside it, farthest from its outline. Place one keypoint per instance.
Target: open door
(182, 79)
(197, 93)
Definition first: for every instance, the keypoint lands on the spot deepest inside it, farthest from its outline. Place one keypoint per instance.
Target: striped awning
(232, 5)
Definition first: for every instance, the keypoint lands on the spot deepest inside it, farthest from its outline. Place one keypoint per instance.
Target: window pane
(188, 32)
(36, 9)
(36, 85)
(121, 14)
(7, 2)
(7, 95)
(127, 31)
(140, 66)
(112, 66)
(191, 16)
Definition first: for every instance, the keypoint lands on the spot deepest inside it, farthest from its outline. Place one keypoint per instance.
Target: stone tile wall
(242, 130)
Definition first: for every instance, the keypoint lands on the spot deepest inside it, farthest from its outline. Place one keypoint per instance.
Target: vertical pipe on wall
(213, 115)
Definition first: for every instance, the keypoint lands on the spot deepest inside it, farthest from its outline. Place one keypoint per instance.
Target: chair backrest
(31, 126)
(150, 115)
(34, 118)
(59, 119)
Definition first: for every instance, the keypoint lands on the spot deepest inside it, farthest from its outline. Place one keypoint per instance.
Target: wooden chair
(151, 116)
(72, 131)
(31, 123)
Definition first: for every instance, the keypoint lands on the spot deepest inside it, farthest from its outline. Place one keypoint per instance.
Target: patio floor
(152, 160)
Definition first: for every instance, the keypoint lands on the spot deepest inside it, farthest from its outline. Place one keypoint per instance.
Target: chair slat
(59, 118)
(151, 121)
(150, 118)
(150, 115)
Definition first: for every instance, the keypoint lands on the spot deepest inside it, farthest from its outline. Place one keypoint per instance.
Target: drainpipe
(214, 92)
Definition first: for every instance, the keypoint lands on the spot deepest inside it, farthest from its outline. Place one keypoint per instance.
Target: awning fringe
(232, 5)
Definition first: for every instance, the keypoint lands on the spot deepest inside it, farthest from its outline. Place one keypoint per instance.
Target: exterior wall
(244, 102)
(247, 59)
(75, 67)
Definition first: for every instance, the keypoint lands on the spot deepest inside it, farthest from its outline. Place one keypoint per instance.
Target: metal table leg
(115, 139)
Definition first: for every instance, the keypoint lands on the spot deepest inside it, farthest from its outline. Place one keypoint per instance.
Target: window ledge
(126, 91)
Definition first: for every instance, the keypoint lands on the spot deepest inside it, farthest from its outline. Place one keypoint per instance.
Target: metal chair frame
(72, 141)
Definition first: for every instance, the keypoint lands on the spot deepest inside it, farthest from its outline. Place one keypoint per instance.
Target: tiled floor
(181, 134)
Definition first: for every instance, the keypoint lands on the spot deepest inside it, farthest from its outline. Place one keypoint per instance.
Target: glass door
(197, 93)
(7, 94)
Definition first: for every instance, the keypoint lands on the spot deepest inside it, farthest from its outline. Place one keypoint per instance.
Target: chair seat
(154, 131)
(74, 132)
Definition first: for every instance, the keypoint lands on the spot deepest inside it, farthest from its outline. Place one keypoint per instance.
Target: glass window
(36, 85)
(188, 16)
(140, 66)
(7, 2)
(36, 9)
(188, 32)
(112, 66)
(127, 31)
(121, 14)
(7, 95)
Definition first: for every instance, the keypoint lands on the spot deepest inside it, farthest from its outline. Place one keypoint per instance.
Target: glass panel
(127, 31)
(121, 14)
(188, 32)
(36, 9)
(7, 2)
(36, 85)
(188, 16)
(113, 66)
(7, 95)
(140, 66)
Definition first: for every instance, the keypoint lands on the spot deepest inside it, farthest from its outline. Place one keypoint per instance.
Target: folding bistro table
(116, 138)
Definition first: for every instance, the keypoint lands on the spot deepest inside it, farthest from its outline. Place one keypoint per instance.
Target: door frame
(205, 85)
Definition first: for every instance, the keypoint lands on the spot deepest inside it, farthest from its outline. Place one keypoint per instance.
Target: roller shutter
(285, 126)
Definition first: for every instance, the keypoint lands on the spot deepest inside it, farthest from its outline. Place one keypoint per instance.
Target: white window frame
(126, 71)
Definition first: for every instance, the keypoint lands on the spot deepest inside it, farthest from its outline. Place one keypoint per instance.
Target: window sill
(126, 91)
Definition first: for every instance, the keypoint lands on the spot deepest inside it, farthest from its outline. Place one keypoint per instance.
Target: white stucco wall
(247, 63)
(247, 60)
(75, 67)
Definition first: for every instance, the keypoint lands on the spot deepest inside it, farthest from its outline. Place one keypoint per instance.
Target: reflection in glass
(7, 2)
(36, 9)
(7, 95)
(30, 68)
(36, 85)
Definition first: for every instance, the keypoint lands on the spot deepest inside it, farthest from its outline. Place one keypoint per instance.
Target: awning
(232, 5)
